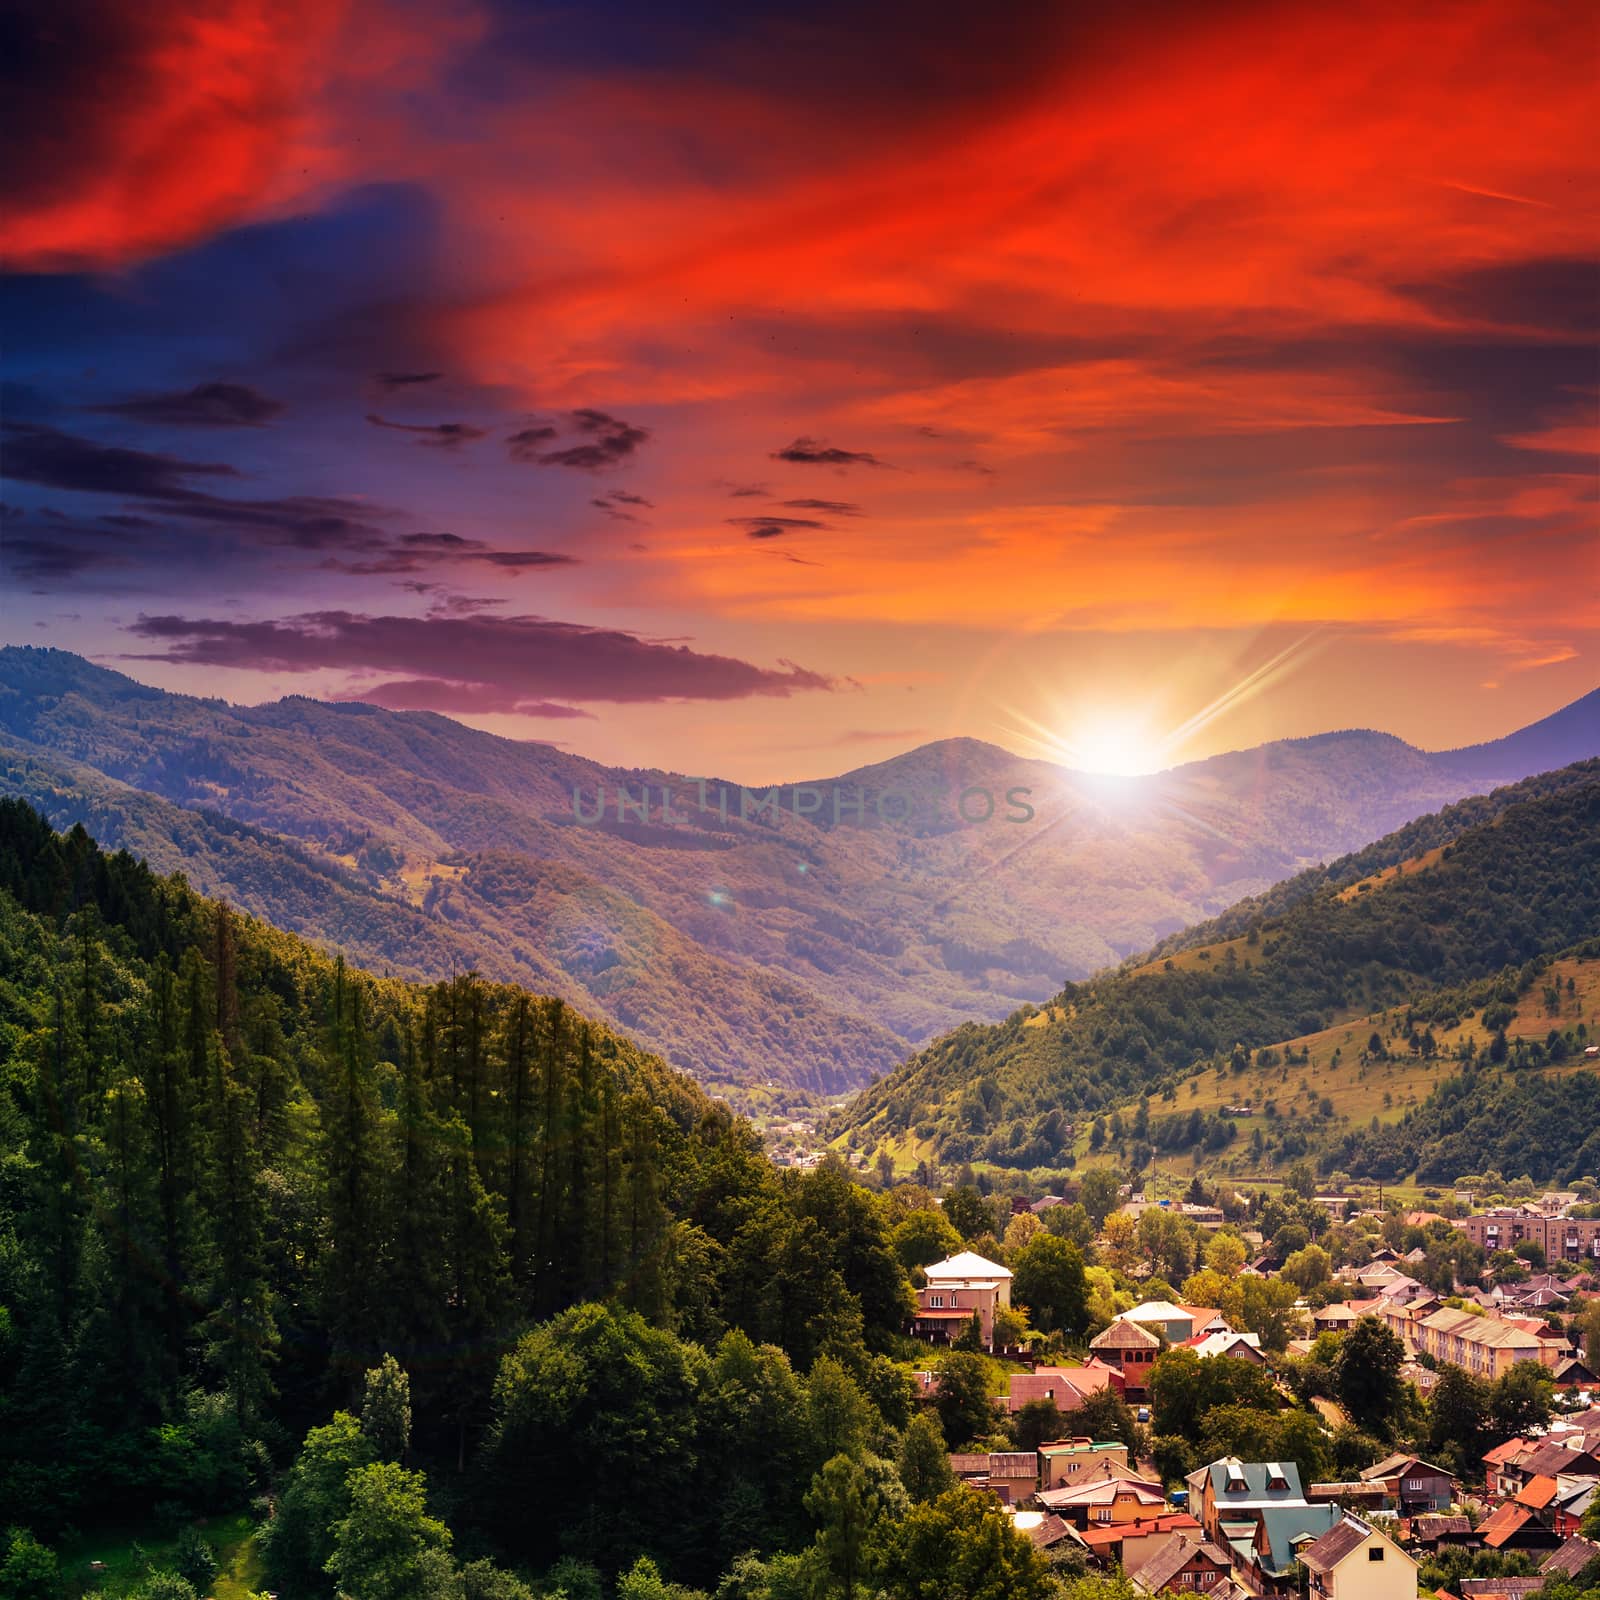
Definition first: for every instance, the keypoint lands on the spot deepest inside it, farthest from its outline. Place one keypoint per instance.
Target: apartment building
(1484, 1345)
(1561, 1238)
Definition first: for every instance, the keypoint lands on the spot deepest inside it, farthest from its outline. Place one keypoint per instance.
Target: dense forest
(1517, 887)
(1407, 843)
(235, 1175)
(1509, 1120)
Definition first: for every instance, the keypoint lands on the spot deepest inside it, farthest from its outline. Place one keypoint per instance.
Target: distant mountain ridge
(798, 950)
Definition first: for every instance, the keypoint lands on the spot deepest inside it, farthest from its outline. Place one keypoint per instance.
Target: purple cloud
(207, 405)
(436, 435)
(605, 441)
(520, 659)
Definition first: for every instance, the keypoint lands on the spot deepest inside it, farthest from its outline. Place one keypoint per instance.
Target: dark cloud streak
(207, 405)
(406, 380)
(520, 658)
(808, 452)
(604, 441)
(774, 527)
(435, 435)
(42, 455)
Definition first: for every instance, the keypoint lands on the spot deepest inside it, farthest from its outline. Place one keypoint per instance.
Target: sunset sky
(761, 389)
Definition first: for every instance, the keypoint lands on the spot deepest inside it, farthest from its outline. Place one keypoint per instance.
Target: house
(1184, 1566)
(1176, 1324)
(1335, 1318)
(1500, 1466)
(1412, 1484)
(1171, 1322)
(956, 1288)
(1426, 1379)
(1011, 1475)
(1354, 1561)
(1130, 1348)
(1574, 1498)
(1515, 1527)
(1575, 1374)
(1558, 1503)
(1570, 1559)
(1135, 1544)
(1542, 1291)
(1043, 1530)
(1256, 1511)
(1522, 1588)
(1072, 1460)
(1066, 1387)
(1265, 1550)
(1435, 1533)
(1244, 1346)
(1356, 1496)
(1108, 1500)
(1552, 1459)
(1421, 1219)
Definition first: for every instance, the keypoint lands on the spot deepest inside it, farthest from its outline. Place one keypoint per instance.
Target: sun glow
(1095, 736)
(1115, 746)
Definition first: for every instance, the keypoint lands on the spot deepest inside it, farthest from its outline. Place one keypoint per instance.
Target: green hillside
(1520, 886)
(1417, 843)
(1379, 1112)
(235, 1171)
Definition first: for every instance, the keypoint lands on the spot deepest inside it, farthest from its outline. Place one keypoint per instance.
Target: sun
(1113, 745)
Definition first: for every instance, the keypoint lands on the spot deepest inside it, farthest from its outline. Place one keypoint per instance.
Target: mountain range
(778, 944)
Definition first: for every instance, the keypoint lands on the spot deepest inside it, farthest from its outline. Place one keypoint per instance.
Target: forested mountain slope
(1410, 843)
(542, 924)
(798, 950)
(234, 1171)
(1522, 885)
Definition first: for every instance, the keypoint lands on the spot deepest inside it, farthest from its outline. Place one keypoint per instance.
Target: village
(1497, 1523)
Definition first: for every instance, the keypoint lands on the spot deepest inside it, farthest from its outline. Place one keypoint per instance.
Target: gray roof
(1438, 1526)
(1554, 1460)
(1123, 1335)
(1340, 1540)
(1572, 1557)
(1405, 1465)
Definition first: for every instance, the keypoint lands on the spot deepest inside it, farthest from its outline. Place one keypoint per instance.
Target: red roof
(1098, 1534)
(1537, 1492)
(1509, 1451)
(1506, 1521)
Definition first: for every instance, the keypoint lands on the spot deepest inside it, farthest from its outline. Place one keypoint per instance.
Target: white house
(955, 1289)
(1353, 1561)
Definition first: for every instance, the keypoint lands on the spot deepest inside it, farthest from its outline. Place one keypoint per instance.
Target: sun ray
(1127, 740)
